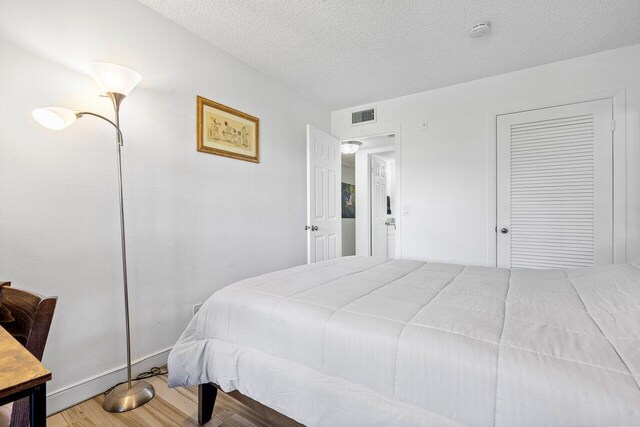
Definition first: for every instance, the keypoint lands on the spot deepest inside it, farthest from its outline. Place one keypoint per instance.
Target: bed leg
(206, 399)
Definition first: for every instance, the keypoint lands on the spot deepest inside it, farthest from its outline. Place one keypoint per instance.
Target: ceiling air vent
(363, 116)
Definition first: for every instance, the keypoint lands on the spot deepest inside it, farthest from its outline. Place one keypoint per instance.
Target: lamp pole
(116, 99)
(124, 397)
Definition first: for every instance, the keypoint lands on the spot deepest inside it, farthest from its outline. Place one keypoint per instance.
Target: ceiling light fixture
(480, 29)
(350, 147)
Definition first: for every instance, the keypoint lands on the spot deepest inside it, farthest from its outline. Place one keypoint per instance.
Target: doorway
(369, 198)
(340, 218)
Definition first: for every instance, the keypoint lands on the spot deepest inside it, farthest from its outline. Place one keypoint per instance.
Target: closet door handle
(504, 230)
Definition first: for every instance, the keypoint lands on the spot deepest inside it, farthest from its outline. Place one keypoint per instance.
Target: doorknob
(504, 230)
(314, 228)
(306, 227)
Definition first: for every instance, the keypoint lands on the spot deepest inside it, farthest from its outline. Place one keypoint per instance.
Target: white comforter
(369, 341)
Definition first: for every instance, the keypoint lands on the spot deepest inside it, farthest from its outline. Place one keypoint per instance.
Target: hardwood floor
(170, 407)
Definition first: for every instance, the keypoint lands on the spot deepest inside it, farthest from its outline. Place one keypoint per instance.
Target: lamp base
(123, 399)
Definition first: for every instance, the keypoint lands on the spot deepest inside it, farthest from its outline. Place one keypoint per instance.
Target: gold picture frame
(227, 132)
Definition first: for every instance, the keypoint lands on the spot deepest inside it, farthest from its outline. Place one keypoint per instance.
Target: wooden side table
(22, 375)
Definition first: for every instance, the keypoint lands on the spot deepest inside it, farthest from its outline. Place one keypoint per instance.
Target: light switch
(406, 210)
(424, 125)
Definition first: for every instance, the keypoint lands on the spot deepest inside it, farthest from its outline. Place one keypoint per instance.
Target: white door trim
(618, 96)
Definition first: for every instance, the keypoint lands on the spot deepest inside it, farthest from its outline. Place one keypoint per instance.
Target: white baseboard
(73, 394)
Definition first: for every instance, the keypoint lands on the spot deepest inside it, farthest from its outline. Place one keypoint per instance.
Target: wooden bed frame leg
(206, 399)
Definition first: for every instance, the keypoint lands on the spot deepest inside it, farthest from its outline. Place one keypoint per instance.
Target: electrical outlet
(424, 125)
(196, 308)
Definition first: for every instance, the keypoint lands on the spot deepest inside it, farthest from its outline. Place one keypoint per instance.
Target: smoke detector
(480, 29)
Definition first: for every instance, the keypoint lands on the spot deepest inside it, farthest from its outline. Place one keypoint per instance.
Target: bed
(363, 341)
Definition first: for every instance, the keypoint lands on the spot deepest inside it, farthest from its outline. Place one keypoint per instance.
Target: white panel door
(324, 232)
(378, 207)
(555, 187)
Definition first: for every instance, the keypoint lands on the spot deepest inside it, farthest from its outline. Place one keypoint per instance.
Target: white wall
(444, 170)
(349, 224)
(195, 221)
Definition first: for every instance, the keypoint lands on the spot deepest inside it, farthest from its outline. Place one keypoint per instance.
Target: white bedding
(373, 342)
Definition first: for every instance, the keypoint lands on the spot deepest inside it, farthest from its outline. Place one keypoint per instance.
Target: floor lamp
(115, 82)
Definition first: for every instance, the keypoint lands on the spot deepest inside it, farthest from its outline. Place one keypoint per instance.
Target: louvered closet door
(555, 187)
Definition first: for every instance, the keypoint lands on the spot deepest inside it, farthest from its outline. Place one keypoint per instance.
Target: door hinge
(612, 126)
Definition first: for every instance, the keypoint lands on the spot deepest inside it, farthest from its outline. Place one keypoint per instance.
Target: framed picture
(348, 200)
(227, 132)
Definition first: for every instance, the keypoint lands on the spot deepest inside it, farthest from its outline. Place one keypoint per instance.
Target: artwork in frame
(348, 200)
(227, 132)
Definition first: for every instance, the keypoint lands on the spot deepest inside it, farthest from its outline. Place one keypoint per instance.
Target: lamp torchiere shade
(112, 78)
(56, 118)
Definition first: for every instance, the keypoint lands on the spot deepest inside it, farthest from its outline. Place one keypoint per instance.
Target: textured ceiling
(342, 53)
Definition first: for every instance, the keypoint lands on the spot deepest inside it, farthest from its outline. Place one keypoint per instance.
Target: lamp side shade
(56, 118)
